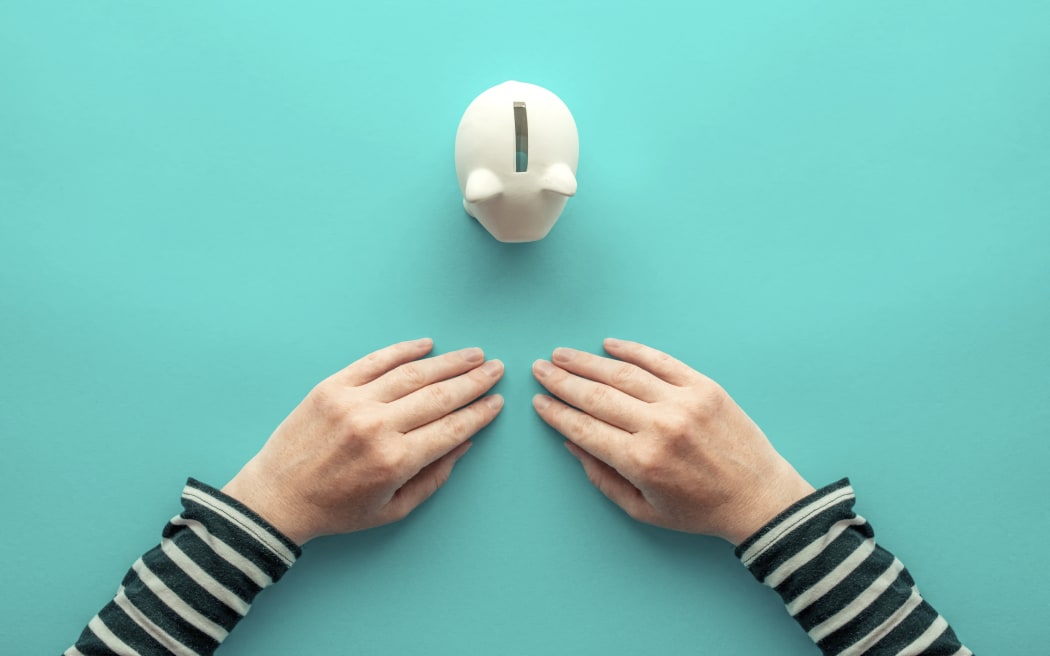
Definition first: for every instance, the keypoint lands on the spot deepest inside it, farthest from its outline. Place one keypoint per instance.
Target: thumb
(423, 485)
(612, 484)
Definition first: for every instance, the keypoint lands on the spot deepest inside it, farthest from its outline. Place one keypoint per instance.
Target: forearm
(186, 595)
(848, 593)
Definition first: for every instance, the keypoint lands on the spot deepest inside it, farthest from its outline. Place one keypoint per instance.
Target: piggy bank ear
(559, 179)
(482, 184)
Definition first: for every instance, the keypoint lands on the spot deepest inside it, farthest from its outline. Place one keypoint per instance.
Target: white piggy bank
(516, 156)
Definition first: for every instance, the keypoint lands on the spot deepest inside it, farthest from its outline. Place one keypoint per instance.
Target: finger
(612, 484)
(376, 364)
(624, 376)
(596, 399)
(423, 485)
(411, 376)
(656, 362)
(428, 443)
(438, 399)
(599, 438)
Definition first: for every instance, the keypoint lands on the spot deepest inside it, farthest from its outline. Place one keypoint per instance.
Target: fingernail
(472, 354)
(569, 447)
(492, 367)
(540, 401)
(494, 402)
(543, 368)
(612, 343)
(563, 355)
(426, 342)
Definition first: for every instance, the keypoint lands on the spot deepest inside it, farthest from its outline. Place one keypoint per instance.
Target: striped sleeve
(848, 593)
(185, 595)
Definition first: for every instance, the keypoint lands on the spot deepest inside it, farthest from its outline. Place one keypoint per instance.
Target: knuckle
(439, 480)
(711, 400)
(597, 396)
(455, 424)
(364, 425)
(390, 461)
(438, 396)
(326, 401)
(623, 373)
(375, 362)
(577, 424)
(398, 511)
(413, 373)
(648, 460)
(671, 426)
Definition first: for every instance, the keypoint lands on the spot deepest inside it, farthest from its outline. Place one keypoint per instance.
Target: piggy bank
(516, 156)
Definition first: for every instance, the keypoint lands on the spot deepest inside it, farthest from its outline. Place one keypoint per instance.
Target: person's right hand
(371, 442)
(664, 442)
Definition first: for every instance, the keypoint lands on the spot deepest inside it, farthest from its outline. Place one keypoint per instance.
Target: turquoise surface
(838, 210)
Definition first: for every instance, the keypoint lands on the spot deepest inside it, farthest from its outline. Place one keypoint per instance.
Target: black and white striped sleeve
(848, 593)
(186, 595)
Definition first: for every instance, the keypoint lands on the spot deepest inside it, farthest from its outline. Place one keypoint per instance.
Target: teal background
(838, 210)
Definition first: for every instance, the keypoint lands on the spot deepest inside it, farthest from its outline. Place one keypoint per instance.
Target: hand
(371, 442)
(664, 442)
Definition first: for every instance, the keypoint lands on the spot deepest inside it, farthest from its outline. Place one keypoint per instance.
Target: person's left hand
(371, 442)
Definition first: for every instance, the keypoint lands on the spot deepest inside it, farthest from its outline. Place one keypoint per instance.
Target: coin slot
(521, 138)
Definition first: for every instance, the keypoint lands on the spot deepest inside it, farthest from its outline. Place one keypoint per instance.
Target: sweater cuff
(241, 525)
(808, 515)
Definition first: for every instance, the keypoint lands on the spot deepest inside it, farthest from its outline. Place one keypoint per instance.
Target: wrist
(269, 504)
(773, 499)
